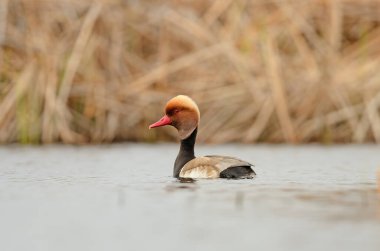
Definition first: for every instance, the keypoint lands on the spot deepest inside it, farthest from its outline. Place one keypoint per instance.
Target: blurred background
(261, 71)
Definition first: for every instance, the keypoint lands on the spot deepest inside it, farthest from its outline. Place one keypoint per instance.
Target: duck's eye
(173, 112)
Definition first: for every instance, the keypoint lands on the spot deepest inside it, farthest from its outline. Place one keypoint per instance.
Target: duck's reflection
(186, 180)
(182, 183)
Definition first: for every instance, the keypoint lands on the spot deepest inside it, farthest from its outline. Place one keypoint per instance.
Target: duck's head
(182, 113)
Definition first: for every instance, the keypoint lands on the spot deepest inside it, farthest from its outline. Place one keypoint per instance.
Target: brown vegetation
(260, 70)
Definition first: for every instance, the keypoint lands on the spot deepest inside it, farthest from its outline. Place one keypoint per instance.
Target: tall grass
(260, 70)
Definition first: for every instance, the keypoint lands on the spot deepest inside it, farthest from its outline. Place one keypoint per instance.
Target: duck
(183, 113)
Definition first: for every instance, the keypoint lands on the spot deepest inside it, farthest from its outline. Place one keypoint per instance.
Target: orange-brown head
(182, 113)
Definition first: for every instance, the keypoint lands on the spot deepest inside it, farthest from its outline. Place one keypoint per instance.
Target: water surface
(122, 197)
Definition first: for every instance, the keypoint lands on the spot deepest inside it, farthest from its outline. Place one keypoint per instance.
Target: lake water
(122, 197)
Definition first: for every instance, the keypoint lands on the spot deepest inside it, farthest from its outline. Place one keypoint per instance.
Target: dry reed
(261, 71)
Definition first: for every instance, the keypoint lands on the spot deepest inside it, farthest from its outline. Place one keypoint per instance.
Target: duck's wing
(215, 166)
(228, 161)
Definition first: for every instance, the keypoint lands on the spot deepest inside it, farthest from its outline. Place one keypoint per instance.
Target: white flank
(200, 172)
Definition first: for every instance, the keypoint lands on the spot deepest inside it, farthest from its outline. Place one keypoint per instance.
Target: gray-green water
(122, 197)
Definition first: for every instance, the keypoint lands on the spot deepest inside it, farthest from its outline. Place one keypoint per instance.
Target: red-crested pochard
(183, 113)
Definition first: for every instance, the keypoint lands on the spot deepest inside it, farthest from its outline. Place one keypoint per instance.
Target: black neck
(186, 153)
